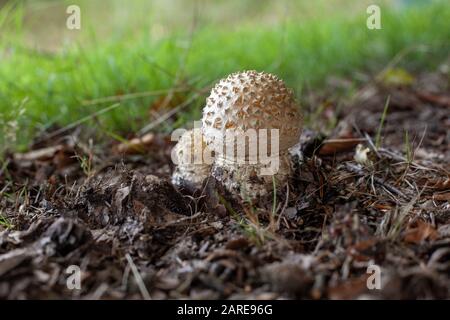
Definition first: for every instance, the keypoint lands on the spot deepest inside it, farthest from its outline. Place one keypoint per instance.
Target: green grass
(4, 222)
(380, 127)
(56, 85)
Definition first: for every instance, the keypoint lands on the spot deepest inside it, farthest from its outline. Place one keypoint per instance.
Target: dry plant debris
(134, 235)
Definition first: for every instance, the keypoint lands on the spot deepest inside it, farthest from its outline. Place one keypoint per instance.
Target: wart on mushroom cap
(243, 101)
(193, 162)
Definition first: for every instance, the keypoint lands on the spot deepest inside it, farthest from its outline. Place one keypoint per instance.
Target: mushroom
(193, 162)
(240, 106)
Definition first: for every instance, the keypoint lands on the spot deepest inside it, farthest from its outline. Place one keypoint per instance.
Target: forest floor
(113, 212)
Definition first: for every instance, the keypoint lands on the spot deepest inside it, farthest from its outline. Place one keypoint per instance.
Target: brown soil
(118, 217)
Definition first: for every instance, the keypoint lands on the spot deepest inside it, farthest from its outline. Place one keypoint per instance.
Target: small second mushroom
(193, 161)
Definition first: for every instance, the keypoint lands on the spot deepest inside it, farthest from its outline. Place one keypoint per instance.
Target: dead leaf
(441, 196)
(12, 259)
(40, 154)
(333, 146)
(363, 250)
(382, 206)
(437, 183)
(170, 101)
(136, 145)
(237, 243)
(350, 289)
(435, 99)
(420, 231)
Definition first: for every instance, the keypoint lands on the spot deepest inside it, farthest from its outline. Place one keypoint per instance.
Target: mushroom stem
(246, 179)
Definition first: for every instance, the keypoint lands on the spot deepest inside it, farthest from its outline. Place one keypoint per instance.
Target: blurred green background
(137, 52)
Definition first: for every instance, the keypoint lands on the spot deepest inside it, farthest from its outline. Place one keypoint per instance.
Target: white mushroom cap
(251, 100)
(243, 101)
(193, 165)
